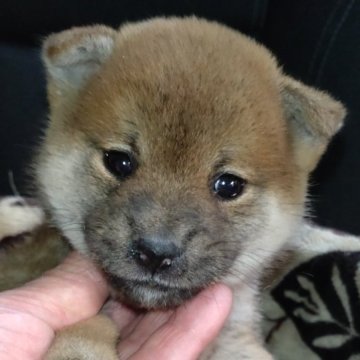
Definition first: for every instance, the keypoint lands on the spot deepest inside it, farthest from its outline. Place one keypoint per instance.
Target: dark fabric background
(315, 41)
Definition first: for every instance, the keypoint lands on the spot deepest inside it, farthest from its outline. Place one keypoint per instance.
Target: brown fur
(98, 333)
(190, 99)
(38, 252)
(28, 247)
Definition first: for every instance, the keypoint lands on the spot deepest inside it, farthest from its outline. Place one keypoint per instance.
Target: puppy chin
(148, 295)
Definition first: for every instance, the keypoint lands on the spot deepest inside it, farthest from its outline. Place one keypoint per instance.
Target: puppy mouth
(149, 294)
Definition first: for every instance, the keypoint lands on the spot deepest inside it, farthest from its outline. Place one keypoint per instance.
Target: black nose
(155, 254)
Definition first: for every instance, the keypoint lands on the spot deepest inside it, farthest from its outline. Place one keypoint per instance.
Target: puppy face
(177, 154)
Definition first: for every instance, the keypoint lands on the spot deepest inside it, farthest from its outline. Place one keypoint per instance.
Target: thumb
(191, 328)
(71, 292)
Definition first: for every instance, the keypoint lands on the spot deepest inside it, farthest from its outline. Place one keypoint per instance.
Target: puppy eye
(229, 186)
(119, 163)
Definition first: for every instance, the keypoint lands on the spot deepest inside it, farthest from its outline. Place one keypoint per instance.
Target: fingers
(182, 334)
(122, 316)
(137, 333)
(22, 336)
(76, 290)
(73, 291)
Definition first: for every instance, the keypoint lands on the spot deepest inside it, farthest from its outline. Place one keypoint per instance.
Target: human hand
(75, 290)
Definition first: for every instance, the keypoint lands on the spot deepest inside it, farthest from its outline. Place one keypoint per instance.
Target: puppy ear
(71, 57)
(313, 117)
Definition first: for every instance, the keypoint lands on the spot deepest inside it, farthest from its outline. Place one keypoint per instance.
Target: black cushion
(318, 42)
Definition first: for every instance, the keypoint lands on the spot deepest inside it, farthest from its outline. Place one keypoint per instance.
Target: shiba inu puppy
(177, 155)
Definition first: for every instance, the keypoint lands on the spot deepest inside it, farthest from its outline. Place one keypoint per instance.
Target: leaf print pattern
(321, 297)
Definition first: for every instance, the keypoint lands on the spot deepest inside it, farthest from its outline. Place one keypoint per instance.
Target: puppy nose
(155, 254)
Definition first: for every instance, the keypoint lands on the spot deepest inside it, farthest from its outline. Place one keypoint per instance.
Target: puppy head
(177, 153)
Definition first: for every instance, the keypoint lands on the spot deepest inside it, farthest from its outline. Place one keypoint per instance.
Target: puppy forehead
(188, 89)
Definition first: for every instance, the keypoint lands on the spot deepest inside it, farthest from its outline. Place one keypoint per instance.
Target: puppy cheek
(108, 237)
